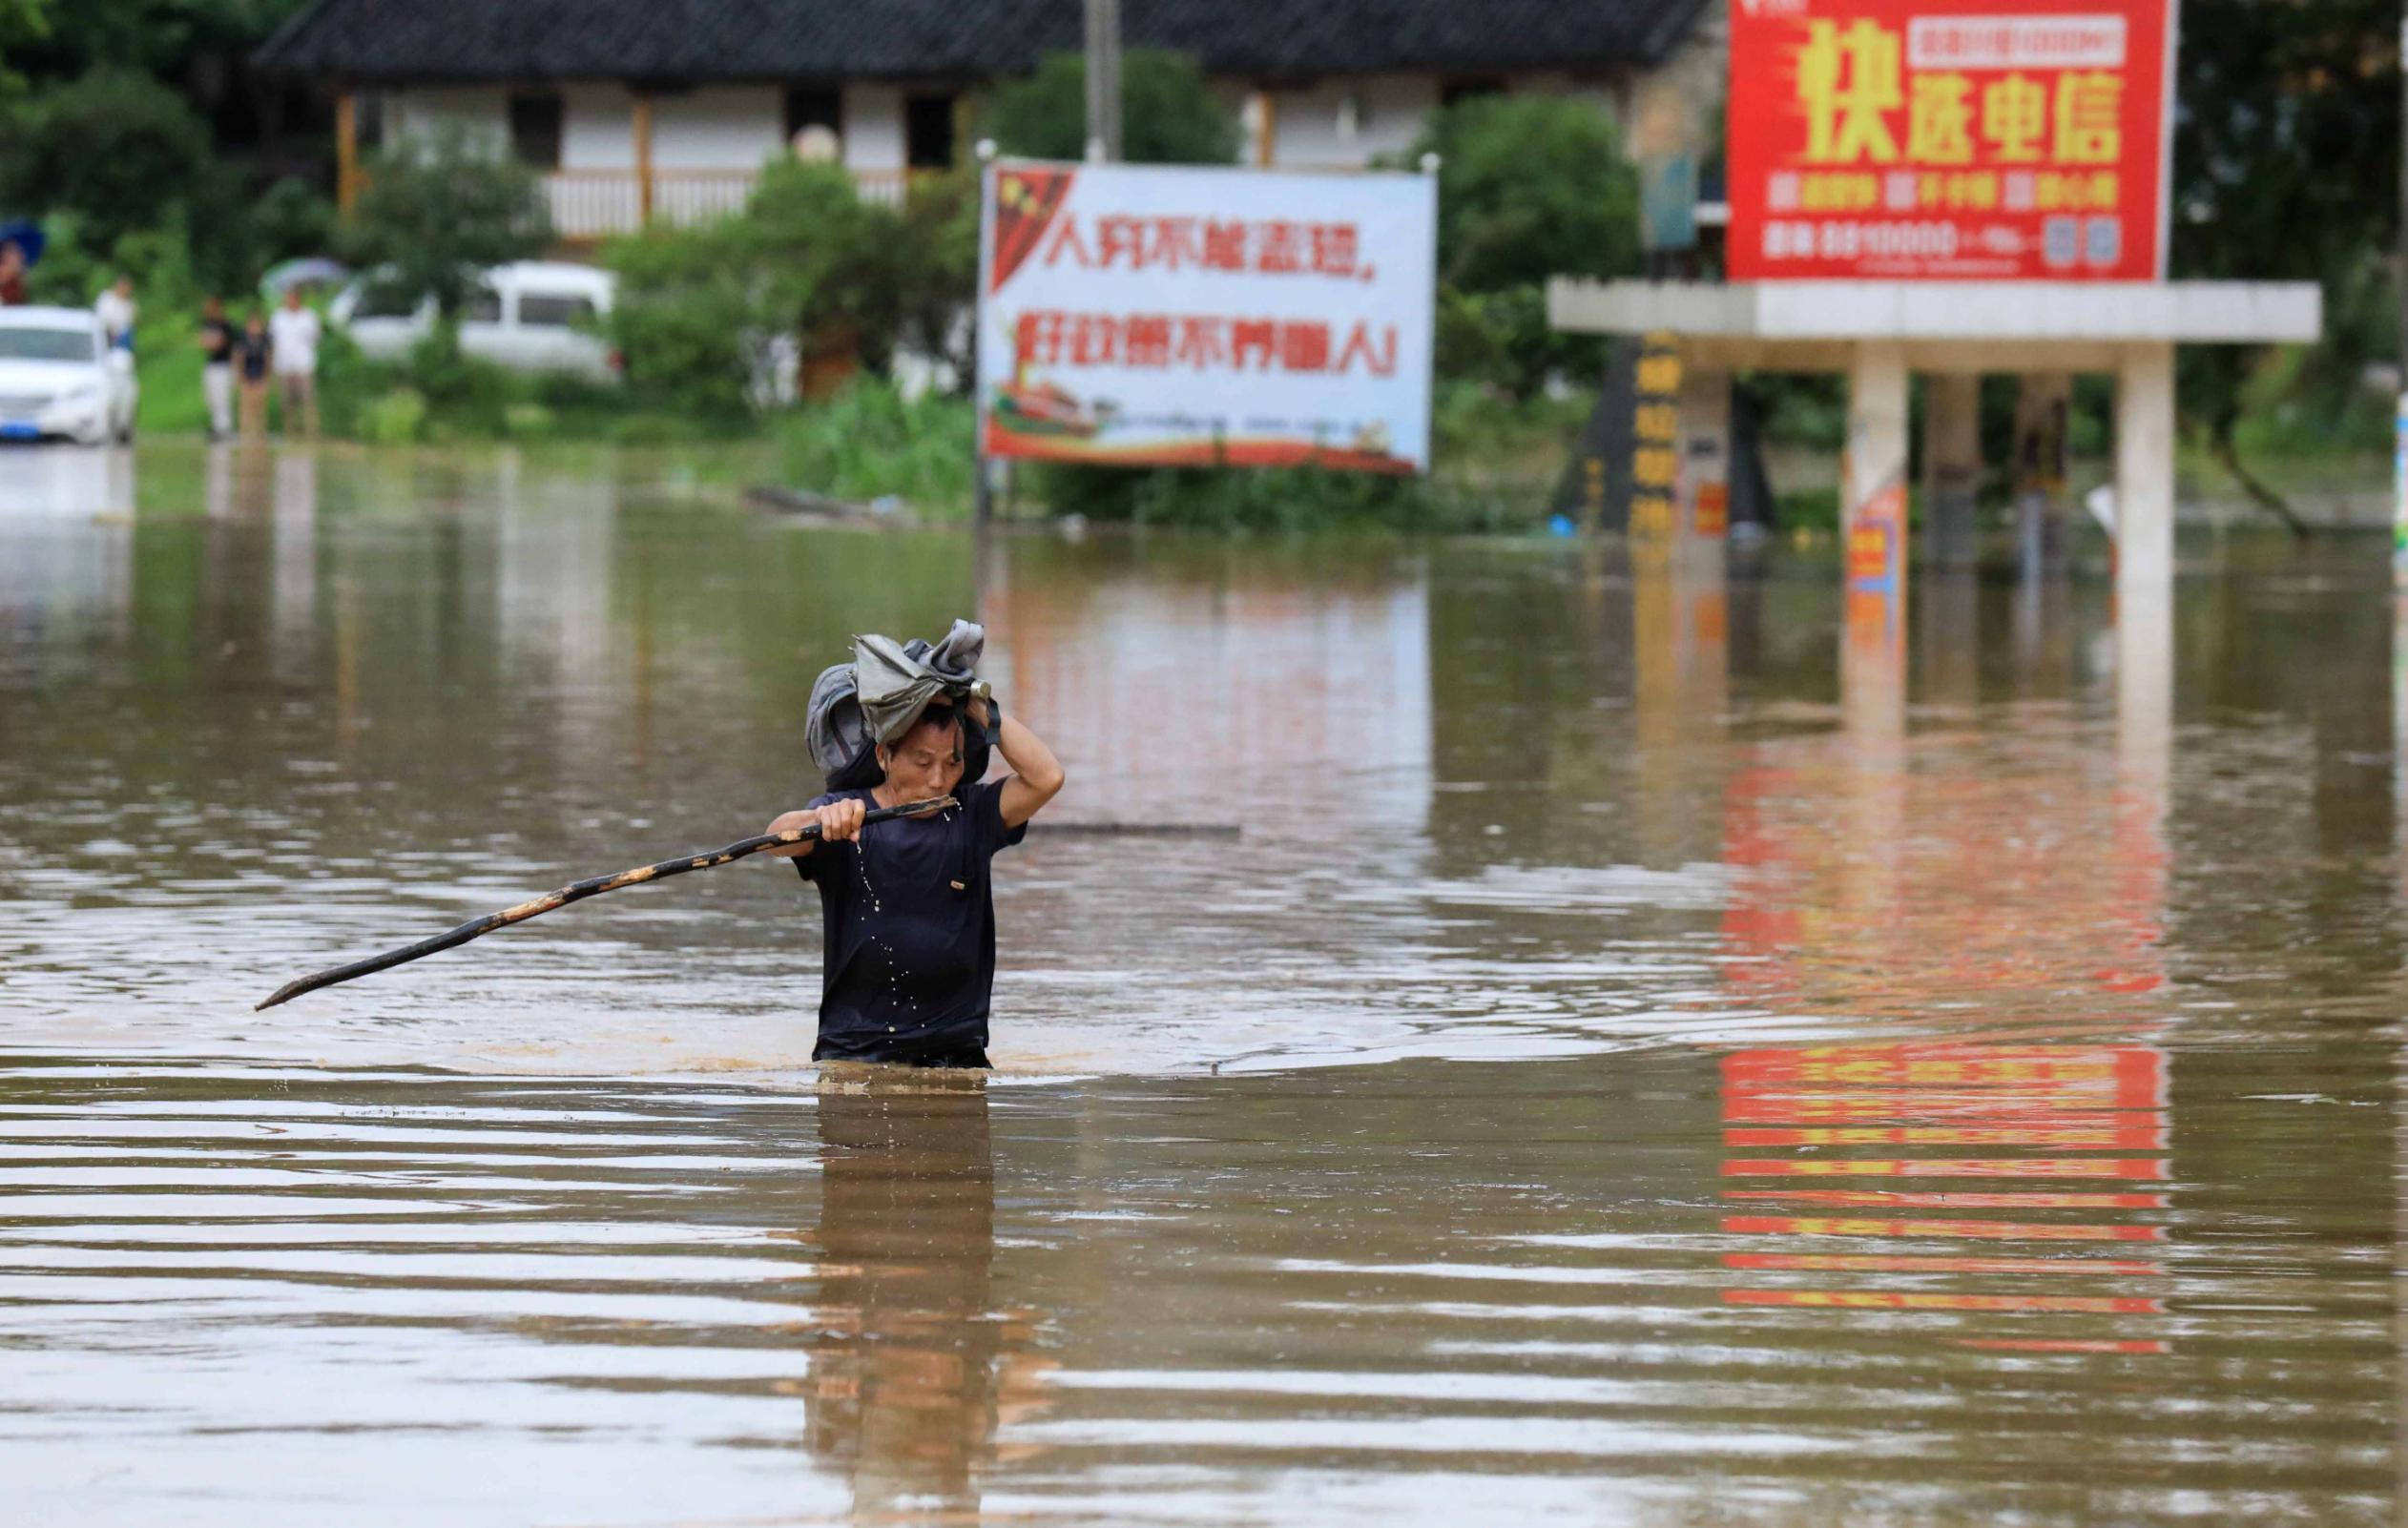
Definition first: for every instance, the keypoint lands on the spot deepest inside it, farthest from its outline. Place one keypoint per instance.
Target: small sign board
(1184, 316)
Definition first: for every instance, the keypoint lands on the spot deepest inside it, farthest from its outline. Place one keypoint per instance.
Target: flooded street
(1609, 1077)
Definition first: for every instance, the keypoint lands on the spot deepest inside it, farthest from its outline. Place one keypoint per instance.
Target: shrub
(684, 305)
(349, 384)
(396, 418)
(866, 443)
(807, 257)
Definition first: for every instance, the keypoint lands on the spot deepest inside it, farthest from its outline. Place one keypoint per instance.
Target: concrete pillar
(2044, 406)
(1873, 646)
(2145, 468)
(1874, 495)
(1947, 639)
(2145, 691)
(2144, 759)
(1705, 472)
(1952, 468)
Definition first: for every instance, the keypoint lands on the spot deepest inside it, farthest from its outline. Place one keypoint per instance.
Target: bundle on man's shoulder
(878, 697)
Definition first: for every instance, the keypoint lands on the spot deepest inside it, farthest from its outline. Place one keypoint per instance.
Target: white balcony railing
(595, 203)
(590, 203)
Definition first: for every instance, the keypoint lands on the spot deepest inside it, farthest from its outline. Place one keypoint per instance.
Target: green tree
(290, 218)
(686, 300)
(1528, 187)
(23, 23)
(174, 40)
(438, 209)
(824, 261)
(1169, 114)
(936, 270)
(116, 149)
(807, 259)
(2285, 164)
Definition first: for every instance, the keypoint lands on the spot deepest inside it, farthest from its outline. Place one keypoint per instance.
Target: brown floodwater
(1613, 1075)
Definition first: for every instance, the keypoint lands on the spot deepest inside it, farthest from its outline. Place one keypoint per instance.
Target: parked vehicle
(59, 376)
(530, 316)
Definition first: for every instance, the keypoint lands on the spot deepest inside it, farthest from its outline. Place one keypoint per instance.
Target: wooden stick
(577, 892)
(1144, 830)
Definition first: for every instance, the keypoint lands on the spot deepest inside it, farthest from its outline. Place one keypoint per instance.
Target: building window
(1464, 87)
(928, 132)
(535, 129)
(810, 106)
(367, 120)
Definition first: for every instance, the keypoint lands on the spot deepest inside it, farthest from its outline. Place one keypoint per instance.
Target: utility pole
(1103, 82)
(981, 470)
(2400, 424)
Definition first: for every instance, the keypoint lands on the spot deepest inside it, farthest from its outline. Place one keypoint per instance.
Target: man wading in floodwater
(910, 915)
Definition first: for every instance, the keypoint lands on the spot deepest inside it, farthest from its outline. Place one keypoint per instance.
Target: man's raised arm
(1036, 774)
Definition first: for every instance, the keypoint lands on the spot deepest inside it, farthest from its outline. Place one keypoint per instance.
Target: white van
(530, 316)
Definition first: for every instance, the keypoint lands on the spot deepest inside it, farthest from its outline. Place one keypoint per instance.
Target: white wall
(481, 110)
(1313, 126)
(718, 126)
(730, 127)
(874, 127)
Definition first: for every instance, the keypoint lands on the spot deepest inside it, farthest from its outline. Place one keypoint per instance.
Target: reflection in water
(1984, 1128)
(66, 552)
(1173, 679)
(1760, 1104)
(911, 1361)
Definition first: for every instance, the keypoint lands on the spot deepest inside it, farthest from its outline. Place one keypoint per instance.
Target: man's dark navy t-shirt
(910, 918)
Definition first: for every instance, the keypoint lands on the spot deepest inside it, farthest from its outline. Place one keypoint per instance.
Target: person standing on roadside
(295, 335)
(253, 351)
(114, 308)
(216, 367)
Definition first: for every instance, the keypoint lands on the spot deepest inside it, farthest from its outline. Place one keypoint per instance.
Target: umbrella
(27, 236)
(313, 270)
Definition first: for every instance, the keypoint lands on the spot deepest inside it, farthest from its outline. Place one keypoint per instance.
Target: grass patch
(1496, 467)
(867, 443)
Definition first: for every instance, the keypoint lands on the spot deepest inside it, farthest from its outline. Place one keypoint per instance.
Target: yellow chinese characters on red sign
(1996, 140)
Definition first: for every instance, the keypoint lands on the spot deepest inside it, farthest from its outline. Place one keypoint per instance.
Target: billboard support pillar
(2145, 468)
(2043, 408)
(1704, 405)
(1952, 468)
(1875, 490)
(1873, 535)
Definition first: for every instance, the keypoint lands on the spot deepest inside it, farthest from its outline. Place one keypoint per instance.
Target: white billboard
(1179, 316)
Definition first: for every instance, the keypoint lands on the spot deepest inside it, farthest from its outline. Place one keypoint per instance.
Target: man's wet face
(928, 761)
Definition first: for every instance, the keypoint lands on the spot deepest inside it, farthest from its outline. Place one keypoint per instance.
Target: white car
(59, 376)
(530, 316)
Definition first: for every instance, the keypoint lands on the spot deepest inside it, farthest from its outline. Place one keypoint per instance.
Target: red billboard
(1922, 140)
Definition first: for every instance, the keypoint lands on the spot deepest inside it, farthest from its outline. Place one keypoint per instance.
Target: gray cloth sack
(877, 697)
